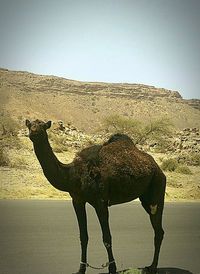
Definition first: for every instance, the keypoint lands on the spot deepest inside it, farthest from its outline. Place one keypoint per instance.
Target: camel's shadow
(164, 270)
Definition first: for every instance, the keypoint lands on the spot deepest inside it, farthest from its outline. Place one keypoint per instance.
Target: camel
(104, 175)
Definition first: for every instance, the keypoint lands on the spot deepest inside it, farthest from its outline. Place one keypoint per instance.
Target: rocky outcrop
(188, 139)
(75, 137)
(195, 103)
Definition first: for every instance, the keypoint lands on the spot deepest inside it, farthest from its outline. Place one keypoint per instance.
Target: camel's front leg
(82, 222)
(103, 216)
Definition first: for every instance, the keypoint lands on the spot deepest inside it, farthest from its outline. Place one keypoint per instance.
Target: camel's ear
(28, 123)
(48, 124)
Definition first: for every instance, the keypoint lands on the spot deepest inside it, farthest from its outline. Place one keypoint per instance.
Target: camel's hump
(119, 137)
(91, 154)
(123, 157)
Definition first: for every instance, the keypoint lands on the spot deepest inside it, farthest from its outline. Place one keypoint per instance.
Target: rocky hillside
(86, 105)
(32, 82)
(78, 111)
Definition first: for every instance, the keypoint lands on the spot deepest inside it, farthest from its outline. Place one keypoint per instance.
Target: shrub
(10, 142)
(18, 162)
(183, 169)
(157, 128)
(169, 164)
(155, 131)
(118, 124)
(8, 132)
(8, 126)
(173, 165)
(58, 142)
(4, 160)
(192, 158)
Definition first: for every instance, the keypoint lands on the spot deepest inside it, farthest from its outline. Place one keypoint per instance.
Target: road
(41, 237)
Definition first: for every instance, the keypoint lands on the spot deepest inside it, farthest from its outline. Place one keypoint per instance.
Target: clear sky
(155, 42)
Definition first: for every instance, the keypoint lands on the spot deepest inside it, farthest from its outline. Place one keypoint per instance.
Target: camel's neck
(57, 174)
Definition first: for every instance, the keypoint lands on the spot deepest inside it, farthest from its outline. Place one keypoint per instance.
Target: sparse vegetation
(191, 158)
(8, 132)
(172, 164)
(118, 124)
(4, 160)
(154, 132)
(58, 142)
(169, 164)
(8, 126)
(157, 131)
(195, 159)
(183, 169)
(8, 138)
(18, 162)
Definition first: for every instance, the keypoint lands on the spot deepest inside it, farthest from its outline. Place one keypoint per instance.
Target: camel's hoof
(151, 270)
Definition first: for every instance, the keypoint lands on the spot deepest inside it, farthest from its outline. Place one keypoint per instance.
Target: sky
(153, 42)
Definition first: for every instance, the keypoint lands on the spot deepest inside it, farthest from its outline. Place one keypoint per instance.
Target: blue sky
(155, 42)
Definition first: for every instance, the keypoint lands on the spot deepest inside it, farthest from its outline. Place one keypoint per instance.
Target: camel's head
(37, 130)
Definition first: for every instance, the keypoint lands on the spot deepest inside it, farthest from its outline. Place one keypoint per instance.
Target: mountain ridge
(50, 80)
(87, 104)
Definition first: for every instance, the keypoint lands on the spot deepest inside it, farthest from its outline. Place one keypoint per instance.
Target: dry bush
(7, 125)
(18, 161)
(190, 158)
(8, 133)
(58, 142)
(4, 160)
(118, 124)
(183, 169)
(156, 131)
(172, 164)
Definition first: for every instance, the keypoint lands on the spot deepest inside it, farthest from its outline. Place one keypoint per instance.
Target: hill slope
(27, 95)
(84, 104)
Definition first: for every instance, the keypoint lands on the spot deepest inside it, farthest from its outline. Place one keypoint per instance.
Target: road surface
(41, 237)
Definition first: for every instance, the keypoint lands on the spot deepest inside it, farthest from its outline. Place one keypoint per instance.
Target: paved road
(41, 237)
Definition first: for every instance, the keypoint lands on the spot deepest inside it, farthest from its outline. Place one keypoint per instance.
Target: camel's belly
(122, 191)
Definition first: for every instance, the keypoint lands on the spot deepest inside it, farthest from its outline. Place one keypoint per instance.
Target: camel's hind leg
(156, 221)
(155, 211)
